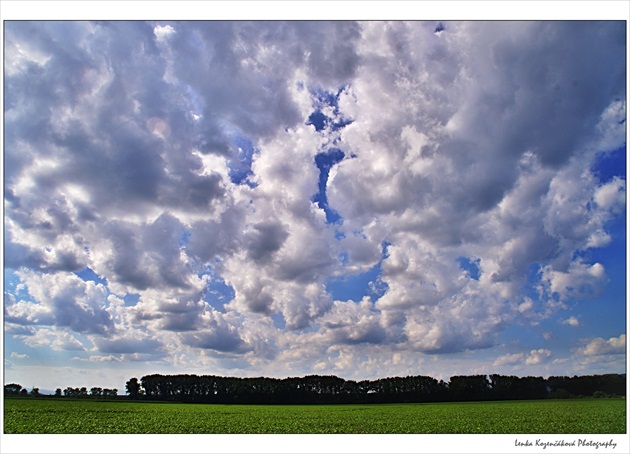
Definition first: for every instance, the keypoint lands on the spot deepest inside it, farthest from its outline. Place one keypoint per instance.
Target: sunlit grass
(584, 416)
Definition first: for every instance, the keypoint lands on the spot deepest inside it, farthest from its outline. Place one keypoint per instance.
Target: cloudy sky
(364, 199)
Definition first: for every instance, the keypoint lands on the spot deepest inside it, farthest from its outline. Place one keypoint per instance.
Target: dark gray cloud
(145, 256)
(557, 86)
(129, 345)
(216, 333)
(265, 239)
(220, 341)
(209, 239)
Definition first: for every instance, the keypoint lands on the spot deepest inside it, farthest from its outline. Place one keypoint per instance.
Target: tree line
(14, 389)
(329, 389)
(332, 389)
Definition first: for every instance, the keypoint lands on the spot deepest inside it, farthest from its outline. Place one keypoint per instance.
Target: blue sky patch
(471, 266)
(324, 162)
(611, 164)
(88, 275)
(241, 165)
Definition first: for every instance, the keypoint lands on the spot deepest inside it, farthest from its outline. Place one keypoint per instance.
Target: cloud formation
(599, 346)
(214, 179)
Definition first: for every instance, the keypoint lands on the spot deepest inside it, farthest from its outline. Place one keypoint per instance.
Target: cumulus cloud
(417, 181)
(509, 359)
(538, 356)
(611, 196)
(181, 164)
(580, 281)
(571, 321)
(352, 323)
(599, 346)
(533, 358)
(64, 301)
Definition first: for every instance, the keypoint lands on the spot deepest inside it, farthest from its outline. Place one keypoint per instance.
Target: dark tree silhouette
(472, 387)
(133, 388)
(12, 388)
(329, 389)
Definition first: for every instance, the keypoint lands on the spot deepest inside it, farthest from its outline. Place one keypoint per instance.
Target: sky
(362, 199)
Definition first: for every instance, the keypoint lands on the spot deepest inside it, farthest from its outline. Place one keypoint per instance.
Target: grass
(572, 416)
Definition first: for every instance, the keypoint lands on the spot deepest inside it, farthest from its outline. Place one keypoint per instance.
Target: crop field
(49, 416)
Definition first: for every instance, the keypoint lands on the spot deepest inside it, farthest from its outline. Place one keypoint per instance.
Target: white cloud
(581, 280)
(99, 359)
(533, 358)
(612, 126)
(15, 355)
(352, 323)
(162, 32)
(571, 321)
(57, 340)
(64, 301)
(526, 305)
(509, 359)
(599, 346)
(538, 356)
(612, 195)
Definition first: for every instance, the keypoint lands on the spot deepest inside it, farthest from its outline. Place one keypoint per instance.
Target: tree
(58, 392)
(12, 388)
(110, 393)
(133, 388)
(69, 392)
(531, 388)
(96, 392)
(503, 387)
(35, 392)
(559, 393)
(469, 387)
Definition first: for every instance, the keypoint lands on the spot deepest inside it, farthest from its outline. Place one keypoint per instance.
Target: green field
(48, 416)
